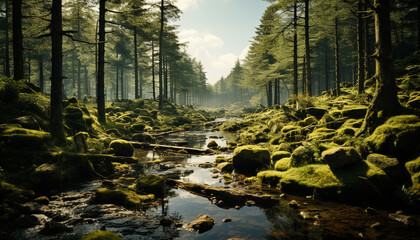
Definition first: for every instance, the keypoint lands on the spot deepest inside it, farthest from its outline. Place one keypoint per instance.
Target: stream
(314, 219)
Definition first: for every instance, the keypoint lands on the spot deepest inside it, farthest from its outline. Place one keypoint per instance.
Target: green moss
(122, 148)
(101, 235)
(269, 177)
(24, 139)
(151, 184)
(413, 166)
(309, 121)
(322, 133)
(225, 167)
(212, 144)
(220, 159)
(279, 155)
(282, 164)
(250, 158)
(123, 197)
(397, 136)
(42, 200)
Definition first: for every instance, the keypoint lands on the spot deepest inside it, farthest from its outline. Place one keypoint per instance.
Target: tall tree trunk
(270, 94)
(56, 115)
(140, 79)
(367, 44)
(136, 67)
(153, 72)
(307, 51)
(166, 77)
(29, 66)
(295, 49)
(100, 88)
(304, 76)
(385, 98)
(418, 24)
(18, 60)
(7, 55)
(79, 79)
(86, 81)
(276, 86)
(337, 57)
(360, 49)
(327, 70)
(117, 89)
(73, 72)
(41, 73)
(122, 83)
(162, 14)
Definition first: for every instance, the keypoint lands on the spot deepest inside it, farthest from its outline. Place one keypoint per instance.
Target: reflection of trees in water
(287, 224)
(194, 139)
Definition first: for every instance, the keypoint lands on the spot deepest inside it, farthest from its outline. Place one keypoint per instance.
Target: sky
(218, 32)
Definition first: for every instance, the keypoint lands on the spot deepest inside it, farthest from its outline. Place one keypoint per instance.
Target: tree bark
(136, 67)
(304, 76)
(367, 44)
(418, 24)
(56, 115)
(117, 89)
(327, 70)
(165, 77)
(276, 84)
(153, 72)
(295, 50)
(41, 73)
(122, 83)
(337, 57)
(18, 60)
(86, 81)
(79, 79)
(385, 97)
(270, 94)
(7, 55)
(308, 51)
(162, 14)
(360, 49)
(100, 91)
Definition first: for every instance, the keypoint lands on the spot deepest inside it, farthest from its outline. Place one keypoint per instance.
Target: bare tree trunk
(18, 60)
(304, 76)
(117, 89)
(418, 24)
(308, 51)
(327, 70)
(367, 48)
(79, 79)
(385, 98)
(360, 49)
(153, 72)
(122, 83)
(270, 94)
(276, 83)
(100, 91)
(41, 73)
(161, 97)
(295, 49)
(166, 77)
(86, 81)
(136, 67)
(337, 56)
(7, 56)
(56, 115)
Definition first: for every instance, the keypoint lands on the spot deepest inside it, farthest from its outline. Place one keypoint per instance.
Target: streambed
(314, 219)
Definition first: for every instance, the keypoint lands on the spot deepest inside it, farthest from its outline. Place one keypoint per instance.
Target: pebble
(237, 207)
(250, 203)
(294, 204)
(215, 176)
(376, 225)
(227, 220)
(370, 210)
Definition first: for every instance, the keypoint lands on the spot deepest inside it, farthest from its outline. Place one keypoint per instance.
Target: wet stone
(52, 228)
(227, 220)
(376, 225)
(294, 204)
(404, 219)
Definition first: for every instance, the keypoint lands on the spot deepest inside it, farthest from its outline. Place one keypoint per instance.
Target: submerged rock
(202, 224)
(250, 158)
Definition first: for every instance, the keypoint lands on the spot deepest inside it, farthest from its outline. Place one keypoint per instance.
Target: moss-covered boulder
(302, 156)
(279, 155)
(413, 167)
(283, 164)
(27, 122)
(212, 144)
(341, 157)
(220, 159)
(249, 158)
(138, 127)
(101, 235)
(22, 139)
(121, 196)
(202, 224)
(143, 137)
(225, 167)
(122, 148)
(153, 184)
(46, 176)
(321, 134)
(389, 165)
(397, 136)
(362, 182)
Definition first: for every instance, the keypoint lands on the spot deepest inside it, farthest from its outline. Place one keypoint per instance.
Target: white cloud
(209, 50)
(244, 52)
(186, 4)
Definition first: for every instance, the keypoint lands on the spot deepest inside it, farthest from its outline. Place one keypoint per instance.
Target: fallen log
(169, 147)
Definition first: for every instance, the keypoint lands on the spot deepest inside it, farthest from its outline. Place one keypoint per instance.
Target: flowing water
(314, 220)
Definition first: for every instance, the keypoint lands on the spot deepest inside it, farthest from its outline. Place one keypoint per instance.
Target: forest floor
(307, 147)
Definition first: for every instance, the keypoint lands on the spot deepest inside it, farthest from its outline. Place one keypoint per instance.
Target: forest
(111, 129)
